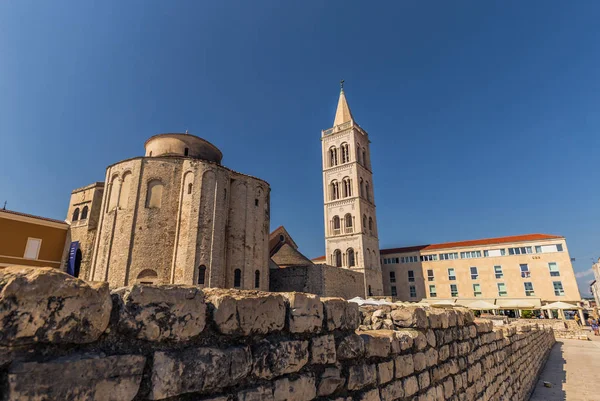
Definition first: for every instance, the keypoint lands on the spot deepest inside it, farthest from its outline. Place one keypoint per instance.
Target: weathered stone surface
(158, 313)
(300, 389)
(404, 366)
(377, 342)
(84, 377)
(330, 381)
(360, 376)
(197, 370)
(350, 347)
(410, 316)
(385, 372)
(392, 391)
(272, 360)
(412, 337)
(322, 350)
(410, 385)
(340, 314)
(306, 312)
(370, 395)
(45, 305)
(246, 312)
(424, 380)
(419, 361)
(261, 393)
(438, 318)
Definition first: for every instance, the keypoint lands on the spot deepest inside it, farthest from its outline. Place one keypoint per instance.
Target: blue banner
(72, 254)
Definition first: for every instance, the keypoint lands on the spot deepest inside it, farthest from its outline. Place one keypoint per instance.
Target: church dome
(182, 145)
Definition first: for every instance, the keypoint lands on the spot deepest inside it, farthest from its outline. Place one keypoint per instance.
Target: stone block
(322, 350)
(385, 372)
(260, 393)
(419, 340)
(78, 378)
(485, 326)
(300, 389)
(392, 391)
(420, 361)
(201, 370)
(432, 357)
(448, 388)
(404, 366)
(424, 380)
(378, 343)
(360, 376)
(276, 359)
(340, 314)
(305, 312)
(430, 335)
(409, 316)
(246, 312)
(405, 339)
(46, 305)
(444, 352)
(330, 381)
(350, 347)
(438, 318)
(410, 385)
(371, 395)
(159, 313)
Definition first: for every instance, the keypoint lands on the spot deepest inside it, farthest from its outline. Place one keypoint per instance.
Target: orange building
(32, 240)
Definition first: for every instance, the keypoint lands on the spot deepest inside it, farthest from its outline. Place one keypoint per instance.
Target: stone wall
(66, 339)
(323, 280)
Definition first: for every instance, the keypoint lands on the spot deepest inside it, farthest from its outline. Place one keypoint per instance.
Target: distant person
(596, 327)
(578, 320)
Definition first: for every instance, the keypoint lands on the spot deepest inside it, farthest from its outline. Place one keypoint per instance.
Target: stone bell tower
(350, 222)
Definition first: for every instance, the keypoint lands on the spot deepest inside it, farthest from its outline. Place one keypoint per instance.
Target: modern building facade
(527, 269)
(174, 216)
(32, 240)
(595, 284)
(351, 239)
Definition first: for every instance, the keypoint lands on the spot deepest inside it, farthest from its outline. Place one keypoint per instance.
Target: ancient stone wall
(66, 339)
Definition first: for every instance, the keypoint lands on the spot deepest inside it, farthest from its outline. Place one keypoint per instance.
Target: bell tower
(350, 223)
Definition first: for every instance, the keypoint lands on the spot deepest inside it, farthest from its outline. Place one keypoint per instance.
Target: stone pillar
(581, 316)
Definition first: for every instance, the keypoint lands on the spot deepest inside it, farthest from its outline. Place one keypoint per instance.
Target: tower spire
(343, 113)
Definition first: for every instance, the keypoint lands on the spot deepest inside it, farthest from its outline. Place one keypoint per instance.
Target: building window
(362, 188)
(255, 202)
(367, 190)
(333, 161)
(84, 213)
(347, 185)
(451, 274)
(371, 225)
(453, 290)
(370, 292)
(257, 279)
(237, 278)
(525, 273)
(351, 261)
(494, 252)
(538, 249)
(548, 248)
(474, 273)
(390, 261)
(32, 249)
(520, 251)
(154, 194)
(430, 276)
(477, 290)
(337, 257)
(559, 247)
(336, 225)
(498, 272)
(335, 190)
(558, 288)
(409, 259)
(470, 254)
(411, 276)
(529, 289)
(394, 293)
(186, 151)
(502, 290)
(147, 276)
(432, 291)
(449, 256)
(348, 223)
(392, 277)
(345, 153)
(553, 267)
(427, 258)
(189, 188)
(201, 274)
(364, 152)
(358, 153)
(412, 290)
(75, 214)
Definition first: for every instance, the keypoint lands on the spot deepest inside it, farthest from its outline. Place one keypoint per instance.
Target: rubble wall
(66, 339)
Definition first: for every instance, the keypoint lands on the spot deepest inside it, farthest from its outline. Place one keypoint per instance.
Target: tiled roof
(289, 256)
(32, 216)
(318, 259)
(477, 242)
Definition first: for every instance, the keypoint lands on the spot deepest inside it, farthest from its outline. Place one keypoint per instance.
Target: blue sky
(483, 116)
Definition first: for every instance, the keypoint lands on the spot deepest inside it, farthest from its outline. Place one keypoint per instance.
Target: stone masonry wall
(66, 339)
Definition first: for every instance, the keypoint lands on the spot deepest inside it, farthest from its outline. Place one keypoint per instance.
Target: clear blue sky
(483, 116)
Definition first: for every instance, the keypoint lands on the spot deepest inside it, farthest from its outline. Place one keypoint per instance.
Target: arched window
(337, 258)
(367, 190)
(362, 188)
(345, 150)
(347, 184)
(147, 276)
(367, 256)
(336, 224)
(237, 278)
(358, 152)
(154, 195)
(348, 223)
(351, 261)
(113, 196)
(333, 161)
(186, 151)
(75, 214)
(84, 212)
(257, 279)
(370, 292)
(335, 190)
(364, 227)
(371, 225)
(125, 189)
(201, 274)
(189, 188)
(364, 152)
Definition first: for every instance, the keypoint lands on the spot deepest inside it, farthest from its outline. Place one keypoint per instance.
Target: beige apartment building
(531, 269)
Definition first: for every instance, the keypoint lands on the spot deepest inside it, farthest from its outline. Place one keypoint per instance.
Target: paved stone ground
(573, 368)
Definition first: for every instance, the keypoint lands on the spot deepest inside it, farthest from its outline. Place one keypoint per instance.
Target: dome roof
(182, 145)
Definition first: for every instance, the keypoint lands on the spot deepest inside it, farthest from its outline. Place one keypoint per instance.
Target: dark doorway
(77, 265)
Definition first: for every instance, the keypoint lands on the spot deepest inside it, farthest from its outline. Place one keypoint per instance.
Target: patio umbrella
(561, 305)
(481, 305)
(443, 304)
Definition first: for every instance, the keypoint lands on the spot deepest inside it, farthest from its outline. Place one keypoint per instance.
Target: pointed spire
(342, 114)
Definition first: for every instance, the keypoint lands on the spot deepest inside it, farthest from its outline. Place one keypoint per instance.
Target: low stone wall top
(64, 338)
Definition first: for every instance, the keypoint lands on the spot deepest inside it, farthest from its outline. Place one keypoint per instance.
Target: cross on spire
(342, 85)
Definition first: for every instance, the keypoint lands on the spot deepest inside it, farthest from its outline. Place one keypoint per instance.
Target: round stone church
(173, 216)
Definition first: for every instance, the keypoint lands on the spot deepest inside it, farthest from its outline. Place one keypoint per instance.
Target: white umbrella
(481, 305)
(561, 305)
